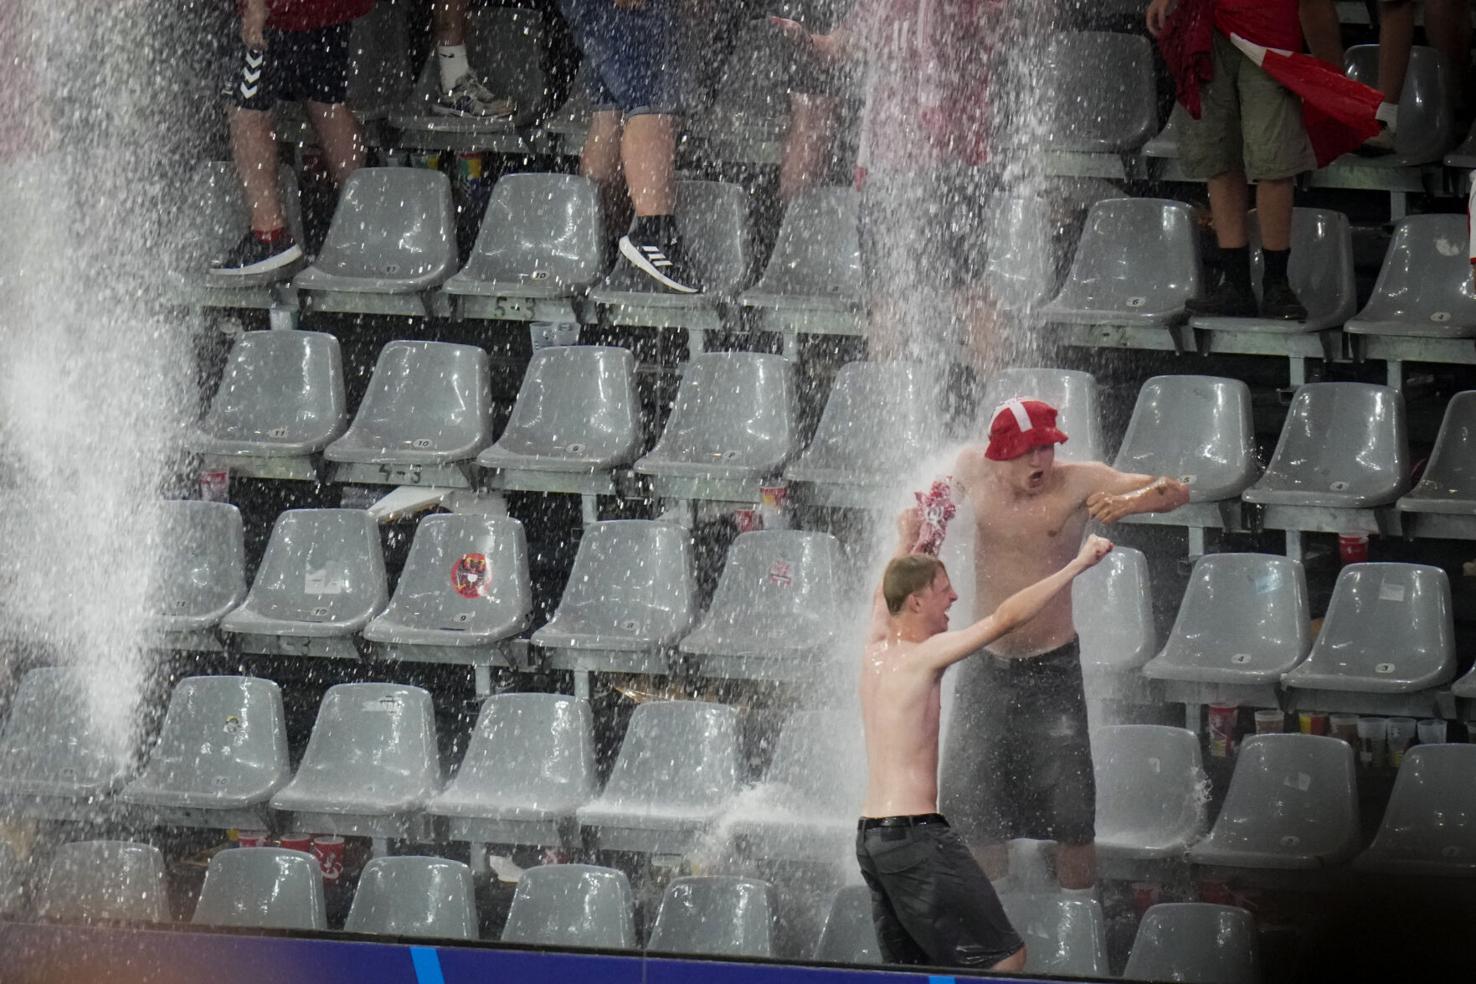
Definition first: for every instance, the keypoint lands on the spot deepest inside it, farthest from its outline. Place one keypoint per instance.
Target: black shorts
(931, 903)
(932, 227)
(296, 66)
(1017, 759)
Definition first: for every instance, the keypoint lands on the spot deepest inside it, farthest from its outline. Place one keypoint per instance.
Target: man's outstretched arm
(1117, 494)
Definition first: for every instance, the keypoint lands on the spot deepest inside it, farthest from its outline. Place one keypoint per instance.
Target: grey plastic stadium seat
(1388, 632)
(1464, 156)
(577, 412)
(849, 935)
(528, 767)
(1136, 264)
(878, 423)
(12, 880)
(321, 580)
(776, 608)
(428, 408)
(371, 763)
(95, 881)
(463, 590)
(263, 888)
(1061, 935)
(1343, 445)
(1195, 942)
(1449, 481)
(570, 122)
(1115, 622)
(201, 575)
(746, 119)
(1074, 395)
(542, 237)
(280, 401)
(630, 597)
(506, 48)
(1292, 803)
(732, 426)
(1244, 622)
(572, 905)
(1424, 287)
(1197, 429)
(816, 262)
(57, 758)
(1429, 826)
(379, 62)
(1320, 271)
(221, 755)
(215, 218)
(715, 916)
(1166, 144)
(1426, 129)
(393, 233)
(1102, 92)
(414, 896)
(676, 772)
(1020, 271)
(807, 805)
(1150, 791)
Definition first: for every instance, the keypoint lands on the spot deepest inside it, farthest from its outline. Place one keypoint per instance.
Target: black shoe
(251, 255)
(666, 263)
(1279, 303)
(1225, 301)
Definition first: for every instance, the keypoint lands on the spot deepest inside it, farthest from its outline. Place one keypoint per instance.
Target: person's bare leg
(806, 144)
(254, 150)
(1448, 26)
(600, 162)
(1076, 865)
(448, 21)
(1274, 212)
(1229, 197)
(338, 132)
(648, 150)
(984, 343)
(1396, 34)
(1014, 962)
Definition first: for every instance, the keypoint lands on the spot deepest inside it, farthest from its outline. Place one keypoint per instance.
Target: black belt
(918, 820)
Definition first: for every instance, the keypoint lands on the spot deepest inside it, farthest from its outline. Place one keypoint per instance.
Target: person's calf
(1015, 962)
(1076, 865)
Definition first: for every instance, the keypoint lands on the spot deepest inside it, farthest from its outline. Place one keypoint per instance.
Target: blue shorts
(633, 53)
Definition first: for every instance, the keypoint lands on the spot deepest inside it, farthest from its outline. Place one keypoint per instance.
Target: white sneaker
(470, 98)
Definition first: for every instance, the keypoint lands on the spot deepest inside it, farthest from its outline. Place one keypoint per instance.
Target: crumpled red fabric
(1186, 40)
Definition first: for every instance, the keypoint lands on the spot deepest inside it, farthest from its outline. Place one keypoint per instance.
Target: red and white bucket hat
(1019, 427)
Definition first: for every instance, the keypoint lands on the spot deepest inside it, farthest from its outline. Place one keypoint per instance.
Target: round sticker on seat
(1384, 668)
(630, 625)
(1240, 659)
(576, 448)
(421, 442)
(1136, 302)
(539, 275)
(1338, 486)
(470, 575)
(1440, 317)
(277, 432)
(1450, 851)
(1290, 840)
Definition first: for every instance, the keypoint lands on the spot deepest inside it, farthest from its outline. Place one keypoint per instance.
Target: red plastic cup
(1223, 719)
(294, 842)
(329, 852)
(1312, 722)
(1145, 895)
(1353, 548)
(1216, 893)
(748, 520)
(215, 485)
(251, 838)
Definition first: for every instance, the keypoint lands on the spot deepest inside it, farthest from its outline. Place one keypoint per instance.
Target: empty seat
(1062, 935)
(201, 575)
(878, 423)
(463, 590)
(715, 916)
(1449, 481)
(572, 905)
(577, 412)
(1166, 144)
(1429, 826)
(58, 757)
(776, 609)
(1115, 600)
(221, 754)
(528, 767)
(1388, 632)
(263, 888)
(215, 218)
(731, 428)
(507, 51)
(379, 62)
(631, 596)
(414, 896)
(1071, 392)
(542, 237)
(1195, 942)
(849, 935)
(816, 263)
(280, 401)
(94, 881)
(1136, 263)
(1101, 91)
(1151, 794)
(1245, 621)
(12, 880)
(1197, 429)
(1020, 271)
(676, 772)
(321, 580)
(1292, 803)
(393, 233)
(1464, 156)
(807, 805)
(1424, 287)
(1343, 445)
(428, 409)
(1426, 129)
(1320, 271)
(371, 763)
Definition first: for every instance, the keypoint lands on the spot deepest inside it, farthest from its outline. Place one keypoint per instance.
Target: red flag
(1338, 112)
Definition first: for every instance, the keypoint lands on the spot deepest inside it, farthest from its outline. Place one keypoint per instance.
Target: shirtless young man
(929, 898)
(1018, 761)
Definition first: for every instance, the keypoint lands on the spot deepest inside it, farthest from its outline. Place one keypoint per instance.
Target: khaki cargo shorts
(1248, 121)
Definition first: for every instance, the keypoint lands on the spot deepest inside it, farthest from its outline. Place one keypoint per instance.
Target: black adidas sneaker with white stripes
(664, 262)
